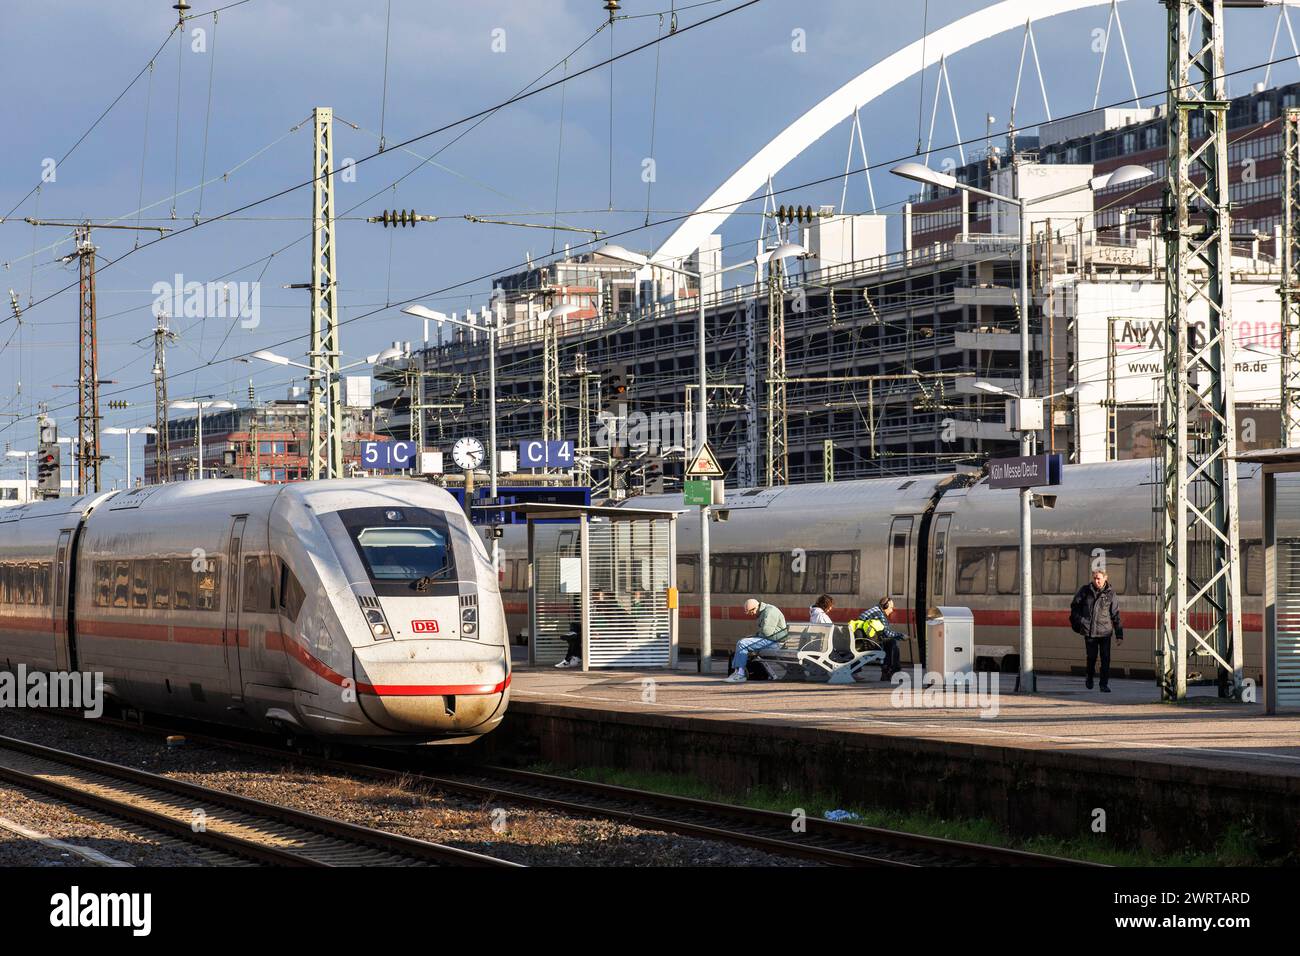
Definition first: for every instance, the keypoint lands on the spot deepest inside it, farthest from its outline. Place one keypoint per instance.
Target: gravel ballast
(508, 831)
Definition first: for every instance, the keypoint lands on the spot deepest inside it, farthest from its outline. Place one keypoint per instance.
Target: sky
(229, 108)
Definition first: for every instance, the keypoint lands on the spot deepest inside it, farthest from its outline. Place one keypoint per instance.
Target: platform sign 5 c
(546, 454)
(388, 455)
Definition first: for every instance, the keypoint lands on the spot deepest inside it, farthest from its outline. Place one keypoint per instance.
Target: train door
(900, 563)
(62, 651)
(230, 634)
(938, 574)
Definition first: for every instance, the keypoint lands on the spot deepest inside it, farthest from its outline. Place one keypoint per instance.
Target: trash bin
(950, 642)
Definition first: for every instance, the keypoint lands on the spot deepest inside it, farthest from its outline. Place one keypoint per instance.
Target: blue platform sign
(388, 455)
(1029, 471)
(546, 454)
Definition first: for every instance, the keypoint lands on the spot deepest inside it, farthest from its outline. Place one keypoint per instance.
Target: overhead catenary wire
(462, 284)
(481, 114)
(654, 115)
(559, 161)
(144, 154)
(180, 60)
(207, 119)
(383, 100)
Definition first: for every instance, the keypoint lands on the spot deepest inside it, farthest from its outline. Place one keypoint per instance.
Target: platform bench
(816, 645)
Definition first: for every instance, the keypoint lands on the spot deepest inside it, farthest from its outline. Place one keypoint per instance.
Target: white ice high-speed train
(361, 608)
(945, 540)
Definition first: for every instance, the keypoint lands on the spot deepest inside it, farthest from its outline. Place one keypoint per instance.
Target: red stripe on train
(285, 643)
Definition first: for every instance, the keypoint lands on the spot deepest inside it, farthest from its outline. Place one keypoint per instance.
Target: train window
(972, 570)
(1008, 570)
(1254, 553)
(898, 559)
(814, 579)
(1053, 568)
(60, 558)
(1148, 569)
(207, 586)
(796, 576)
(162, 584)
(41, 583)
(938, 562)
(842, 574)
(4, 584)
(404, 554)
(103, 583)
(687, 572)
(140, 583)
(291, 593)
(770, 567)
(1117, 563)
(732, 573)
(121, 583)
(183, 578)
(259, 588)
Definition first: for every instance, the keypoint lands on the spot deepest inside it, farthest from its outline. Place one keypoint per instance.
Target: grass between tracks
(1240, 845)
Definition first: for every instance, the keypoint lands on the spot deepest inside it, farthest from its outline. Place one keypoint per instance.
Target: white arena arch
(746, 181)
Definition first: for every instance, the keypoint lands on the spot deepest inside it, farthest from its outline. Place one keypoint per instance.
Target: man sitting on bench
(772, 630)
(875, 625)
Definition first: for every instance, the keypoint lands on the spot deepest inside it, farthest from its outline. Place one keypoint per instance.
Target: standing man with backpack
(1094, 615)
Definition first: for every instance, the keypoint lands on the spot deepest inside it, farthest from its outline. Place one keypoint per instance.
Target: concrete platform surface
(1129, 724)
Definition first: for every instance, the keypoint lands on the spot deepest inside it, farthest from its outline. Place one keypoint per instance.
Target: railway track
(215, 819)
(815, 839)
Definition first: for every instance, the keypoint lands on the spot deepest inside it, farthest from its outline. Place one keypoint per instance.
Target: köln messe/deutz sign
(1026, 472)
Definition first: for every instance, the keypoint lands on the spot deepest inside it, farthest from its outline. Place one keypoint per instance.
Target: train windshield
(405, 554)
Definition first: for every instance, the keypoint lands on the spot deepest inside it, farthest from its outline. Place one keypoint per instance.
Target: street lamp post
(918, 172)
(620, 254)
(128, 432)
(26, 456)
(430, 315)
(326, 373)
(200, 406)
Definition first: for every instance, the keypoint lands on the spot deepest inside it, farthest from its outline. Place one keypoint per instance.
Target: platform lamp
(128, 432)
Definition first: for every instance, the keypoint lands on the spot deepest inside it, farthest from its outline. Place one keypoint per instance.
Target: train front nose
(436, 687)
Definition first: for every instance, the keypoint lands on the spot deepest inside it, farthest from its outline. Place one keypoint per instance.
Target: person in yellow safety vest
(874, 623)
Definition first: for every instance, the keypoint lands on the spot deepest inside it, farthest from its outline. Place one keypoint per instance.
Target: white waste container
(950, 642)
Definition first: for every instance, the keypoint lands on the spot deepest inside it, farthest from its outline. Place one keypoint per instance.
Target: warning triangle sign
(705, 464)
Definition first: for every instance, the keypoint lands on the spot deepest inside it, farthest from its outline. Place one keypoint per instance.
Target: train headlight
(378, 626)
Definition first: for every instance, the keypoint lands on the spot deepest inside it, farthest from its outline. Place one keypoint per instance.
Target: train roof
(54, 508)
(905, 489)
(319, 496)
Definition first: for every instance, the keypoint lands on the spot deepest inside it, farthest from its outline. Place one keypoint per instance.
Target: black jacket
(1095, 614)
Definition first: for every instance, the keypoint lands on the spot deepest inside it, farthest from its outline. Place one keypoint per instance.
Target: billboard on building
(1120, 359)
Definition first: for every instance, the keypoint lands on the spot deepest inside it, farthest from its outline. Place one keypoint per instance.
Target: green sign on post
(697, 492)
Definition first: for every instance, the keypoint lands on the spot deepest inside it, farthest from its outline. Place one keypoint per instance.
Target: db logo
(424, 627)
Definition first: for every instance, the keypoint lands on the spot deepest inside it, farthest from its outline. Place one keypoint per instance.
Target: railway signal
(48, 471)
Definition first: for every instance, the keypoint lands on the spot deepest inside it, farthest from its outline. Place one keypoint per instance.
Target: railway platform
(1160, 774)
